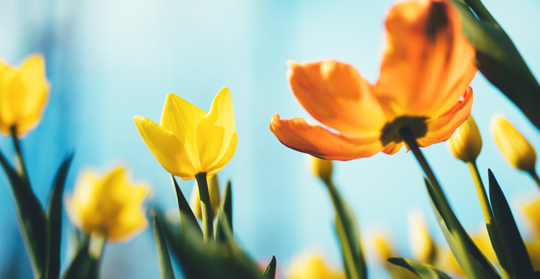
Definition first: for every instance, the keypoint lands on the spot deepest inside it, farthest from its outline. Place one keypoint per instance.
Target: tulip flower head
(423, 86)
(322, 168)
(514, 146)
(313, 267)
(189, 141)
(466, 142)
(23, 95)
(108, 203)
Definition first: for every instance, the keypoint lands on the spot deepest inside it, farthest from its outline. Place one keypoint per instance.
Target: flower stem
(491, 226)
(20, 166)
(206, 207)
(535, 177)
(97, 241)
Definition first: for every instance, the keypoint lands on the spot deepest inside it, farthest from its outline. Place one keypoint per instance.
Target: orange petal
(335, 94)
(297, 134)
(427, 64)
(442, 128)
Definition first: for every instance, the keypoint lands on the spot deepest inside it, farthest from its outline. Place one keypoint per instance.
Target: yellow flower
(515, 148)
(313, 267)
(23, 95)
(532, 211)
(383, 248)
(422, 245)
(534, 252)
(109, 203)
(450, 265)
(466, 142)
(188, 140)
(322, 168)
(213, 191)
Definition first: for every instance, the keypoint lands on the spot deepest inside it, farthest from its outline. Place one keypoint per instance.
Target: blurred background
(110, 60)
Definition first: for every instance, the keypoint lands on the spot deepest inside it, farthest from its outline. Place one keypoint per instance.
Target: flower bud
(213, 191)
(515, 148)
(322, 168)
(466, 142)
(422, 245)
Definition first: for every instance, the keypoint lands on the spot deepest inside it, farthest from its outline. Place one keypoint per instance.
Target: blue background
(110, 60)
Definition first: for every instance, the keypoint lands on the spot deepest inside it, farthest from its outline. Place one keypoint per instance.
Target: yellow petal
(466, 142)
(514, 146)
(169, 150)
(215, 132)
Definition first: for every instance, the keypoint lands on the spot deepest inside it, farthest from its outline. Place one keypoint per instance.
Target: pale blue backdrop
(110, 60)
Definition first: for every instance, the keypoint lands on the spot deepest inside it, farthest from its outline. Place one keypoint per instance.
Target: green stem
(491, 226)
(97, 241)
(18, 150)
(535, 177)
(206, 207)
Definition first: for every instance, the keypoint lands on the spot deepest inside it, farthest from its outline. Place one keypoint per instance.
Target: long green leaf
(183, 206)
(270, 272)
(469, 257)
(511, 238)
(499, 60)
(82, 265)
(165, 266)
(54, 221)
(30, 215)
(348, 234)
(425, 271)
(225, 211)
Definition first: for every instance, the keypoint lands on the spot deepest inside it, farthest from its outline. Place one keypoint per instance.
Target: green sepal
(469, 257)
(225, 211)
(224, 260)
(348, 235)
(30, 215)
(185, 210)
(165, 266)
(509, 232)
(270, 272)
(498, 59)
(54, 221)
(424, 271)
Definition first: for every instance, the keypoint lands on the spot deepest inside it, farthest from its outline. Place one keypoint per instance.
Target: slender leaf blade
(165, 266)
(270, 272)
(184, 208)
(425, 271)
(225, 211)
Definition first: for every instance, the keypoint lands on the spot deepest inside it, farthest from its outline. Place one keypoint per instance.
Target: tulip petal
(181, 117)
(335, 94)
(442, 128)
(170, 150)
(231, 149)
(427, 64)
(297, 134)
(215, 131)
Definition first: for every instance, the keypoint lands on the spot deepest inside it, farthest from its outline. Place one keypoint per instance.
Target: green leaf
(165, 267)
(225, 211)
(469, 257)
(499, 60)
(425, 271)
(511, 238)
(348, 234)
(183, 206)
(54, 221)
(82, 266)
(224, 260)
(270, 272)
(30, 215)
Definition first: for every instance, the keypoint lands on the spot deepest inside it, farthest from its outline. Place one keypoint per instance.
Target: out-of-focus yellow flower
(322, 168)
(423, 85)
(533, 248)
(213, 191)
(23, 95)
(313, 267)
(532, 211)
(109, 203)
(422, 245)
(481, 239)
(188, 140)
(383, 248)
(513, 145)
(466, 142)
(449, 264)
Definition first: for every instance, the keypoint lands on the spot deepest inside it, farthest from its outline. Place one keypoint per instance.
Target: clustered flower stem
(206, 207)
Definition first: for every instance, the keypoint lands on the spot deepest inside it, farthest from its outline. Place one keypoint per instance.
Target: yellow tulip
(108, 203)
(23, 95)
(466, 142)
(189, 141)
(513, 145)
(322, 168)
(423, 247)
(383, 248)
(313, 267)
(532, 211)
(213, 190)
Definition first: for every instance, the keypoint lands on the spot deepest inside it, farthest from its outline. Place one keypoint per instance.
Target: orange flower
(424, 84)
